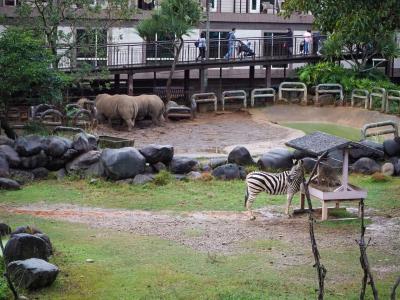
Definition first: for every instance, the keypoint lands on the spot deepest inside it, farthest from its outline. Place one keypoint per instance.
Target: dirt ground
(211, 134)
(219, 232)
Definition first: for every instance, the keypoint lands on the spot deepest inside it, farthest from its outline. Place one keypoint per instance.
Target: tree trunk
(176, 58)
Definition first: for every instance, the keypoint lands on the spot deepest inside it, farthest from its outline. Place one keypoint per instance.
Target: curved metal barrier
(204, 98)
(77, 117)
(380, 93)
(234, 95)
(328, 88)
(360, 94)
(262, 93)
(293, 87)
(366, 127)
(392, 95)
(56, 115)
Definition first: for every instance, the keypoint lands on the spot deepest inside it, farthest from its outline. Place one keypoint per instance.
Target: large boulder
(24, 246)
(183, 165)
(6, 141)
(32, 273)
(227, 172)
(34, 161)
(159, 167)
(29, 145)
(396, 165)
(392, 147)
(21, 176)
(9, 184)
(56, 146)
(40, 173)
(158, 153)
(84, 142)
(366, 166)
(46, 238)
(11, 155)
(240, 156)
(4, 166)
(367, 151)
(83, 161)
(122, 163)
(276, 159)
(216, 162)
(143, 178)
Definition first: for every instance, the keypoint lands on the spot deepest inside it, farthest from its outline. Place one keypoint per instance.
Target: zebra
(288, 182)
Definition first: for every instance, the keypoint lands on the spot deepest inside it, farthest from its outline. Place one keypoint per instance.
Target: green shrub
(34, 127)
(4, 290)
(162, 178)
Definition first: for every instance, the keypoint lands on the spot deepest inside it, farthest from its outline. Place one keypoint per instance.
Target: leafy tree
(363, 29)
(26, 69)
(47, 16)
(174, 20)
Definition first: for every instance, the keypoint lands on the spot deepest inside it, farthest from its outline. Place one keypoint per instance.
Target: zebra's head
(297, 171)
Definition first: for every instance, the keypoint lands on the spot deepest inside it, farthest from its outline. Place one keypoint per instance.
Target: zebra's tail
(246, 196)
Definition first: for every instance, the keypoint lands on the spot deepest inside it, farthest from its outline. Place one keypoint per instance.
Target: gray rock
(396, 164)
(122, 163)
(32, 273)
(216, 162)
(61, 174)
(29, 145)
(9, 184)
(392, 147)
(206, 168)
(26, 229)
(93, 141)
(158, 153)
(240, 156)
(24, 246)
(276, 159)
(21, 176)
(70, 154)
(55, 164)
(148, 169)
(179, 177)
(83, 161)
(159, 167)
(4, 166)
(227, 172)
(81, 143)
(35, 161)
(242, 172)
(46, 238)
(193, 175)
(4, 229)
(40, 173)
(11, 155)
(143, 178)
(298, 154)
(56, 146)
(183, 165)
(6, 141)
(125, 181)
(366, 166)
(387, 169)
(366, 152)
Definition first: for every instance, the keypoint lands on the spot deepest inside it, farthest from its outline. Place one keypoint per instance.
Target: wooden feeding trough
(319, 144)
(106, 141)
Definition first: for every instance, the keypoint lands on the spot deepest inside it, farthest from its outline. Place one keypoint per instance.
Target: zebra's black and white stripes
(288, 182)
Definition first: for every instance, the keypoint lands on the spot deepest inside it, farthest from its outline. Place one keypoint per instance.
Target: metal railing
(162, 52)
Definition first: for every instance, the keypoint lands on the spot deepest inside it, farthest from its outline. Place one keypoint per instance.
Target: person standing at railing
(307, 41)
(289, 42)
(201, 44)
(231, 44)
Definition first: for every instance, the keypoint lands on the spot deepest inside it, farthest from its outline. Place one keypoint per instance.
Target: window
(213, 5)
(91, 47)
(254, 6)
(10, 2)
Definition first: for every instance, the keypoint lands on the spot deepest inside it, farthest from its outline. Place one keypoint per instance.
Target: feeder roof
(318, 142)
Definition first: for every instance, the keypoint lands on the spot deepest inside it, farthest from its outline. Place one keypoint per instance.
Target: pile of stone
(26, 256)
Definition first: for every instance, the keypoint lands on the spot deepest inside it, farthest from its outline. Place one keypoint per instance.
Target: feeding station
(319, 144)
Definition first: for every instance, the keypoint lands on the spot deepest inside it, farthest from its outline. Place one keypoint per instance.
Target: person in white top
(202, 46)
(307, 41)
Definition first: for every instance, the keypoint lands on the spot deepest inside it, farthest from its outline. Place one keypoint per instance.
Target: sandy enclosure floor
(211, 134)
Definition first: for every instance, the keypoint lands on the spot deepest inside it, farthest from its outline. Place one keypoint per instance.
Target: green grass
(127, 266)
(350, 133)
(180, 196)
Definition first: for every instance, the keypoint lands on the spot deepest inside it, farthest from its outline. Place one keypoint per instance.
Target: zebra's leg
(249, 202)
(289, 202)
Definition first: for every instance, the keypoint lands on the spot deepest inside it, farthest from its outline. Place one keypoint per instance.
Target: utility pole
(205, 71)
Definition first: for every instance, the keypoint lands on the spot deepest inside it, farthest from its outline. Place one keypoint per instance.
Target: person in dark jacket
(289, 42)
